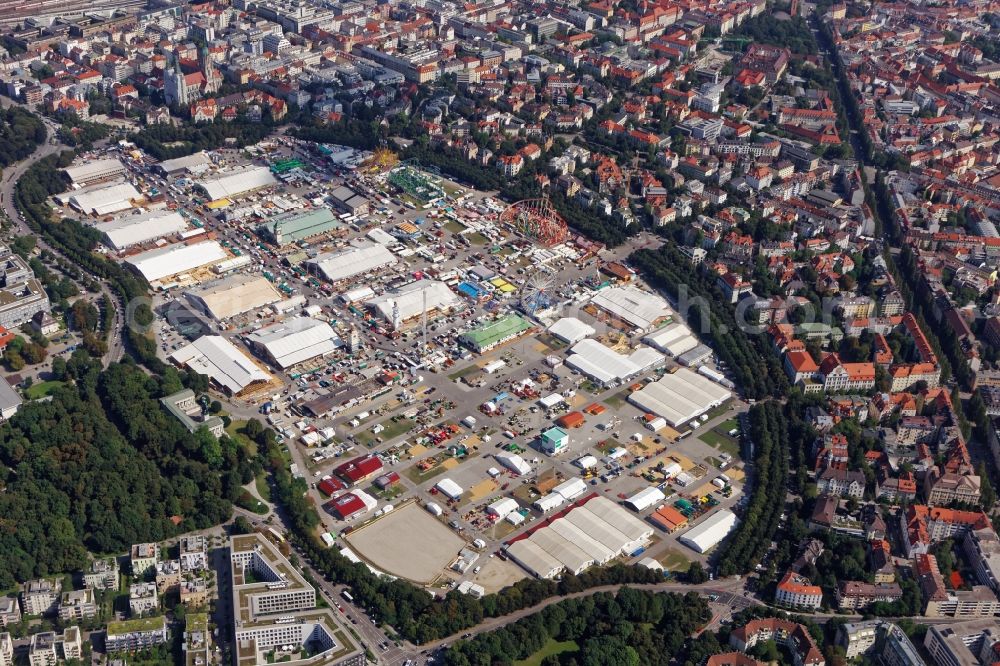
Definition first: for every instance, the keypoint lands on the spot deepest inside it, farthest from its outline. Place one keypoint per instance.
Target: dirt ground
(408, 542)
(497, 574)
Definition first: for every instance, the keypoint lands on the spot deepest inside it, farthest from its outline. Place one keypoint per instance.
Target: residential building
(841, 483)
(136, 634)
(39, 597)
(796, 591)
(102, 574)
(855, 595)
(6, 649)
(10, 611)
(142, 599)
(794, 636)
(963, 644)
(982, 548)
(144, 557)
(77, 605)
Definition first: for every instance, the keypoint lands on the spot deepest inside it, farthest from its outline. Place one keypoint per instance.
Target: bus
(347, 596)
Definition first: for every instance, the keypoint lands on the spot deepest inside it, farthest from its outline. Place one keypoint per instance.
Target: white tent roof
(221, 361)
(571, 330)
(715, 528)
(194, 162)
(296, 340)
(606, 365)
(674, 339)
(128, 230)
(680, 397)
(337, 266)
(585, 462)
(534, 558)
(410, 300)
(601, 530)
(597, 551)
(572, 556)
(105, 200)
(513, 462)
(173, 259)
(238, 181)
(639, 308)
(502, 507)
(645, 498)
(87, 171)
(549, 502)
(571, 488)
(449, 488)
(624, 522)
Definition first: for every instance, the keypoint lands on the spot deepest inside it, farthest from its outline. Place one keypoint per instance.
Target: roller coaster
(536, 219)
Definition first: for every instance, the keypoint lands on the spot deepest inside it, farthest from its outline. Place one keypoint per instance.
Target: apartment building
(841, 483)
(10, 612)
(854, 595)
(144, 557)
(143, 599)
(77, 605)
(6, 650)
(39, 597)
(964, 644)
(42, 650)
(982, 548)
(797, 591)
(102, 574)
(168, 575)
(137, 634)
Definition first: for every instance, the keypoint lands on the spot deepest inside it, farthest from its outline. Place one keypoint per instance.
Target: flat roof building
(680, 397)
(352, 262)
(409, 303)
(496, 333)
(234, 183)
(639, 309)
(233, 295)
(225, 365)
(128, 230)
(166, 262)
(295, 226)
(95, 170)
(294, 341)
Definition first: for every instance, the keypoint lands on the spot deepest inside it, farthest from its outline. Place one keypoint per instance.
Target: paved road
(116, 347)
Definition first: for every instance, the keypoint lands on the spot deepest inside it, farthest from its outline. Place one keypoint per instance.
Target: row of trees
(750, 357)
(629, 628)
(414, 614)
(769, 438)
(20, 133)
(101, 466)
(170, 141)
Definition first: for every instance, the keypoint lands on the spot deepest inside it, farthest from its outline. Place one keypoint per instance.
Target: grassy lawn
(392, 430)
(551, 647)
(414, 474)
(617, 400)
(42, 389)
(477, 239)
(464, 372)
(673, 561)
(720, 441)
(251, 503)
(550, 341)
(455, 227)
(263, 488)
(235, 432)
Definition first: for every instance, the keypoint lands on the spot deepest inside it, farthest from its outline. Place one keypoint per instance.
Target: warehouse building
(237, 182)
(594, 533)
(294, 341)
(349, 201)
(534, 559)
(128, 230)
(194, 164)
(571, 330)
(232, 296)
(229, 369)
(641, 310)
(296, 226)
(408, 304)
(673, 339)
(706, 536)
(680, 397)
(496, 333)
(352, 262)
(606, 366)
(165, 262)
(94, 171)
(101, 200)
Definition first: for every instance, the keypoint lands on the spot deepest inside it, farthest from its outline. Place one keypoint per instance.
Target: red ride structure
(538, 220)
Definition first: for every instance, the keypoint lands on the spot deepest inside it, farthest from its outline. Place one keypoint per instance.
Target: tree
(696, 573)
